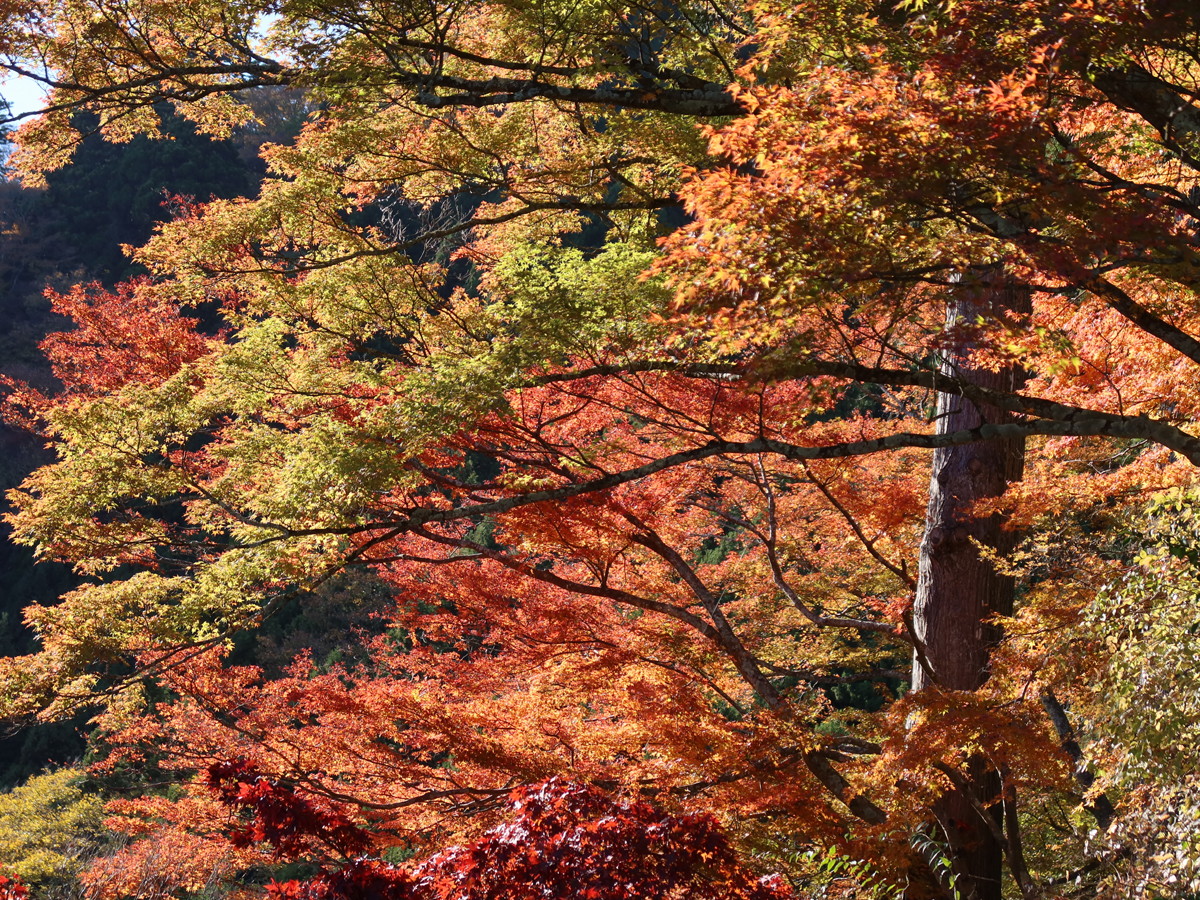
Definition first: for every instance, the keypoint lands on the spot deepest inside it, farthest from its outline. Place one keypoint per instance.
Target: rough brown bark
(958, 589)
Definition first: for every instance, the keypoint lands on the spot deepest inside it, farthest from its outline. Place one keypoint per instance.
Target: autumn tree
(561, 840)
(640, 502)
(49, 829)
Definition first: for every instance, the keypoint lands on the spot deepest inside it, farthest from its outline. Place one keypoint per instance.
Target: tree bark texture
(958, 588)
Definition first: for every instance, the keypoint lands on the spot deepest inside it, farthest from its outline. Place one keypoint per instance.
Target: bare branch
(1101, 807)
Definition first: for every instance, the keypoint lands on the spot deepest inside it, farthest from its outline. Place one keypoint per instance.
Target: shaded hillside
(72, 231)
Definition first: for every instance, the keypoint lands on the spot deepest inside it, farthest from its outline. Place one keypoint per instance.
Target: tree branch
(1144, 319)
(712, 101)
(769, 544)
(1134, 89)
(1012, 828)
(900, 571)
(548, 577)
(1074, 420)
(1101, 807)
(817, 764)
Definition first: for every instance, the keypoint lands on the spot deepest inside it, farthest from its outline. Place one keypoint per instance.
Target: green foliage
(49, 828)
(30, 750)
(1148, 725)
(331, 624)
(1151, 623)
(547, 305)
(938, 855)
(113, 194)
(71, 231)
(825, 870)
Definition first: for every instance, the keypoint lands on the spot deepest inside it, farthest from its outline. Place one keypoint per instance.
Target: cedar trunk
(957, 588)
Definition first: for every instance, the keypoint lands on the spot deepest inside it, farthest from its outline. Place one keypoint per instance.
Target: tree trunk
(957, 589)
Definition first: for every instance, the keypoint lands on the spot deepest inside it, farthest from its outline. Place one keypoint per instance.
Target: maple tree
(563, 840)
(11, 889)
(640, 503)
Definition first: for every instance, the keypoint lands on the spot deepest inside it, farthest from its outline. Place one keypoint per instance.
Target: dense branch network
(735, 533)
